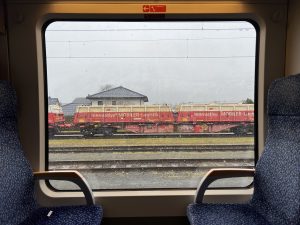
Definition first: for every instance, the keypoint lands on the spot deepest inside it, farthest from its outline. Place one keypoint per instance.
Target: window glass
(150, 105)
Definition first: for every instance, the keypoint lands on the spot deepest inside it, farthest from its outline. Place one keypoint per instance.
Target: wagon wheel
(240, 131)
(108, 132)
(86, 132)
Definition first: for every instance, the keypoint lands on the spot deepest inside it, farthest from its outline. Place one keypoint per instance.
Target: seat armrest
(216, 174)
(68, 175)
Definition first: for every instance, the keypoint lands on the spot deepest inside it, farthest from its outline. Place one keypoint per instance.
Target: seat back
(16, 179)
(277, 179)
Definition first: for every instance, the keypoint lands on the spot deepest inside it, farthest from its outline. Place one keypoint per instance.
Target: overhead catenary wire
(152, 29)
(150, 40)
(146, 40)
(149, 57)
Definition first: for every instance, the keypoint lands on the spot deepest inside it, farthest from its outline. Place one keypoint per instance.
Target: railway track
(151, 157)
(134, 167)
(77, 135)
(152, 164)
(156, 148)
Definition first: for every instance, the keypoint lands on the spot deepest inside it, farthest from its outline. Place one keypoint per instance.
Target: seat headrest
(8, 100)
(284, 97)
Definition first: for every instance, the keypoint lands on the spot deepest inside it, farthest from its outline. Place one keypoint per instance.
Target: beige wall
(27, 74)
(293, 39)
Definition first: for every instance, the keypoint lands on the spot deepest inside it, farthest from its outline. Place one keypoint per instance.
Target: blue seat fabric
(17, 200)
(65, 215)
(224, 214)
(276, 198)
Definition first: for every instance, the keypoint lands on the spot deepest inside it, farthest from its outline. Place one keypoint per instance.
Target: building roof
(82, 101)
(53, 101)
(118, 92)
(70, 108)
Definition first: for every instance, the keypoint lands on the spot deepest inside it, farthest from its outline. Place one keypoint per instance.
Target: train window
(150, 104)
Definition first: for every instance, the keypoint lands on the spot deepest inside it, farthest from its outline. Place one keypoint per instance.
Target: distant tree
(248, 101)
(105, 87)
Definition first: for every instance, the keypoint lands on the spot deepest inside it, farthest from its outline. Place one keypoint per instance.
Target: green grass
(149, 141)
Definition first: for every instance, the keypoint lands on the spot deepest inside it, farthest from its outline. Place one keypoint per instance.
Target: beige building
(117, 96)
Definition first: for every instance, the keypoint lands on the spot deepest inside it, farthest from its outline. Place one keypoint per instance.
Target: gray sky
(170, 62)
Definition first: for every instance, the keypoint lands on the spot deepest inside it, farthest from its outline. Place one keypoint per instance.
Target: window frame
(30, 62)
(132, 18)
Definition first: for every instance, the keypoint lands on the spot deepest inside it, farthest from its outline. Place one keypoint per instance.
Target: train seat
(276, 198)
(17, 201)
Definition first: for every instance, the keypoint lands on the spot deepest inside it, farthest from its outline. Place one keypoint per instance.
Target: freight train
(55, 119)
(186, 118)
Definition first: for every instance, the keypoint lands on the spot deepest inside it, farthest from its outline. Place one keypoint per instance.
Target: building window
(197, 76)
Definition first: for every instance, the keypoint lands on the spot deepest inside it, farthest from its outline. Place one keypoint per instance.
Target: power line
(149, 57)
(153, 29)
(195, 39)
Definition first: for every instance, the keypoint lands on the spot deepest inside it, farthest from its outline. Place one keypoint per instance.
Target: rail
(119, 167)
(77, 135)
(128, 157)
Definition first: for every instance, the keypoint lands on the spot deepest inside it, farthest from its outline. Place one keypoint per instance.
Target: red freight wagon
(197, 118)
(192, 118)
(133, 118)
(55, 119)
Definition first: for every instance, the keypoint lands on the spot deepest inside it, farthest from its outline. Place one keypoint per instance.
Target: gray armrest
(68, 175)
(216, 174)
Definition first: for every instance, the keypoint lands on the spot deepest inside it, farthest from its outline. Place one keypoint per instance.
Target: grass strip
(150, 141)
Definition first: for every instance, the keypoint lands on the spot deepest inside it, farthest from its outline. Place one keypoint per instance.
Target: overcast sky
(169, 62)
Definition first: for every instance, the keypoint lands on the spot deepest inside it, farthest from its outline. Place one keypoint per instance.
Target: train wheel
(87, 132)
(108, 132)
(240, 130)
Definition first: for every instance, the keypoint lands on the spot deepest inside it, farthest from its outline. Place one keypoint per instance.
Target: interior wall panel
(293, 38)
(27, 75)
(4, 66)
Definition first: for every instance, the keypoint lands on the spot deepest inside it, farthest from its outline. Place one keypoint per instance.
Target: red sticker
(154, 8)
